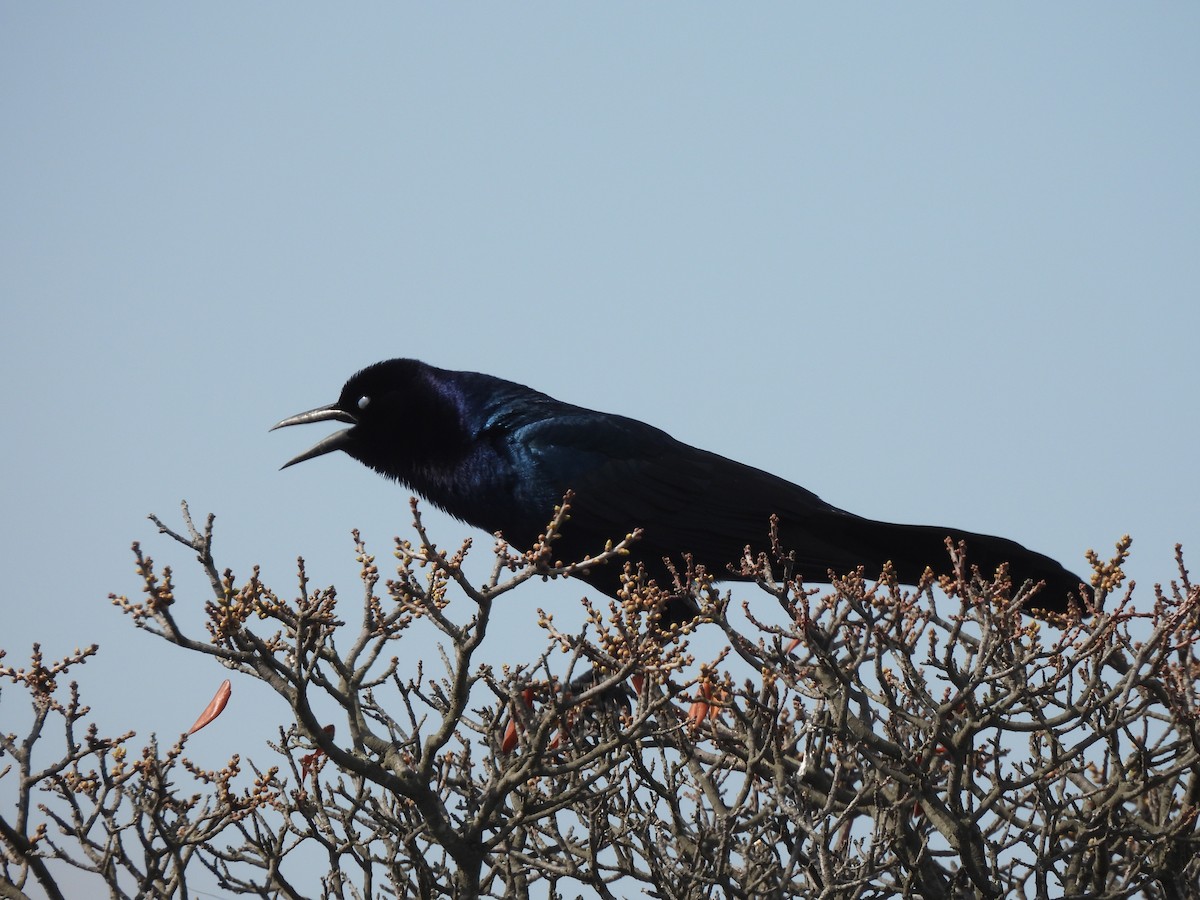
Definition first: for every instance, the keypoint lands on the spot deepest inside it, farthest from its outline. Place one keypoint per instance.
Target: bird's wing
(627, 475)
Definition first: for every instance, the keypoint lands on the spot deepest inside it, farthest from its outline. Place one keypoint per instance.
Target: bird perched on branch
(500, 456)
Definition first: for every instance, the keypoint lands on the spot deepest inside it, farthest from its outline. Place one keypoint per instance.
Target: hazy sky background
(939, 264)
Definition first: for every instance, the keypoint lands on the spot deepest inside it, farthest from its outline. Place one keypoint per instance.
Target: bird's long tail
(848, 541)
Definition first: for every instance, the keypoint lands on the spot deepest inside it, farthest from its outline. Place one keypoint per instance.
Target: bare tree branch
(906, 744)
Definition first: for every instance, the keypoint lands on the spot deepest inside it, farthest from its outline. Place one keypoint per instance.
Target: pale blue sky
(937, 263)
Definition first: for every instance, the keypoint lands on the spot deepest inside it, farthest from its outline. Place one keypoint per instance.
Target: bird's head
(393, 408)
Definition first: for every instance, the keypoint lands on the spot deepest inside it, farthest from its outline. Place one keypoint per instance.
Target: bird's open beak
(336, 441)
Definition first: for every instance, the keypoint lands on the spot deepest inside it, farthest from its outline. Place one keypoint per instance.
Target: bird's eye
(364, 402)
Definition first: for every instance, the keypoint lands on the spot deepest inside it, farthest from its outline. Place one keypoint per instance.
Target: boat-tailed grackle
(500, 456)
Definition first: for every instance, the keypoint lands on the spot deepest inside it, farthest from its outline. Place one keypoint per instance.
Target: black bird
(500, 456)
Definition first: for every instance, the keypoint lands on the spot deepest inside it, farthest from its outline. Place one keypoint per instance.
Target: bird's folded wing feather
(629, 475)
